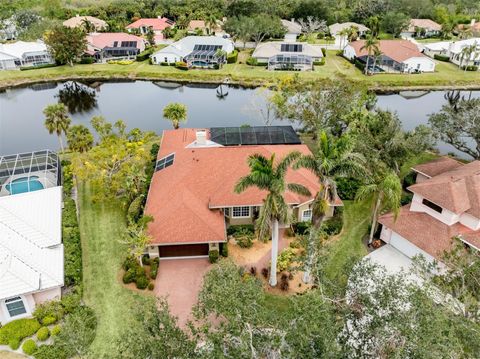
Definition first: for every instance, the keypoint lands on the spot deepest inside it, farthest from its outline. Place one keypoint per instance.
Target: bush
(252, 61)
(71, 301)
(43, 334)
(253, 271)
(50, 351)
(470, 68)
(154, 264)
(181, 65)
(213, 255)
(129, 276)
(18, 329)
(333, 225)
(224, 249)
(145, 55)
(151, 286)
(244, 238)
(347, 187)
(360, 65)
(49, 320)
(301, 228)
(146, 260)
(135, 209)
(87, 60)
(120, 62)
(319, 63)
(284, 285)
(441, 58)
(232, 57)
(232, 230)
(50, 309)
(37, 67)
(324, 52)
(55, 330)
(406, 198)
(164, 64)
(14, 343)
(29, 347)
(285, 259)
(142, 281)
(265, 272)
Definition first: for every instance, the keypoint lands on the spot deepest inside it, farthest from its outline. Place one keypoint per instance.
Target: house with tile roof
(445, 208)
(397, 56)
(31, 249)
(421, 28)
(191, 196)
(80, 21)
(119, 45)
(143, 25)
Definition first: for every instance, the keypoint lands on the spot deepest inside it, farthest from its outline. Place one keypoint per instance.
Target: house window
(432, 205)
(226, 211)
(307, 215)
(243, 211)
(15, 306)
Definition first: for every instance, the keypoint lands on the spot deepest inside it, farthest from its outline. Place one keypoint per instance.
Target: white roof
(437, 46)
(269, 49)
(19, 48)
(31, 250)
(457, 46)
(336, 28)
(185, 46)
(292, 27)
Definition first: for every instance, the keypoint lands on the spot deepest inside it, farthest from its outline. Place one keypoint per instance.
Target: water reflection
(77, 97)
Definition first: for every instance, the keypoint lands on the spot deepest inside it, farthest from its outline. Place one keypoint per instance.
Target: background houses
(421, 28)
(107, 45)
(24, 54)
(86, 22)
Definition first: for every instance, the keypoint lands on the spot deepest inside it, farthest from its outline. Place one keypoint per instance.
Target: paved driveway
(180, 281)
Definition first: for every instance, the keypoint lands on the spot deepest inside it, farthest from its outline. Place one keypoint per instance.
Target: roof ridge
(12, 255)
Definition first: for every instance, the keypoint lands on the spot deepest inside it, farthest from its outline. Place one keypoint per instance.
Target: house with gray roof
(288, 56)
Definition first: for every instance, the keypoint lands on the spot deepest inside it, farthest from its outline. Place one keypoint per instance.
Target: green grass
(446, 75)
(101, 225)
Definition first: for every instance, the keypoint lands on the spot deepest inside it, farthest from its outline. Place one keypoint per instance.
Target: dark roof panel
(256, 135)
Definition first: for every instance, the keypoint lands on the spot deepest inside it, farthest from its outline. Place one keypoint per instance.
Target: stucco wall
(171, 58)
(407, 248)
(423, 64)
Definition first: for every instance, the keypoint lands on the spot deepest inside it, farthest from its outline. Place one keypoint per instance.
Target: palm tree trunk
(273, 266)
(366, 66)
(374, 220)
(61, 142)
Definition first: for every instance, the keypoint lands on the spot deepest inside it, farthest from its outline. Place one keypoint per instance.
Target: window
(15, 306)
(307, 215)
(432, 205)
(241, 211)
(164, 162)
(226, 211)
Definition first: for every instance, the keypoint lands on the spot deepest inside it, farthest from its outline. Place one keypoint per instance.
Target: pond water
(140, 104)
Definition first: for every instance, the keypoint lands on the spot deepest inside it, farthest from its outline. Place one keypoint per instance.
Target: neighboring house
(474, 27)
(108, 45)
(196, 51)
(459, 58)
(8, 30)
(436, 48)
(293, 28)
(31, 249)
(197, 25)
(24, 54)
(445, 208)
(142, 26)
(337, 29)
(422, 28)
(396, 56)
(79, 21)
(287, 56)
(191, 196)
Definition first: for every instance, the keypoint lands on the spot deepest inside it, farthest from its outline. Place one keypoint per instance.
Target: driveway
(180, 281)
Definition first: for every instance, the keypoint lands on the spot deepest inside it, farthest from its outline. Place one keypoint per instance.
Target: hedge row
(145, 55)
(14, 332)
(232, 57)
(441, 58)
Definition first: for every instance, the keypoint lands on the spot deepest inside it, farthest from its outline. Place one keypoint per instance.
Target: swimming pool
(24, 184)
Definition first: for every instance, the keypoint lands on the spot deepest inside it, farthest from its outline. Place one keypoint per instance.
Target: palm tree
(88, 26)
(385, 192)
(332, 158)
(467, 53)
(352, 33)
(376, 56)
(343, 37)
(211, 23)
(79, 138)
(268, 175)
(371, 45)
(57, 120)
(175, 113)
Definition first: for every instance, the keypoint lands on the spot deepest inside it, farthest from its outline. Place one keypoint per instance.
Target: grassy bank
(101, 224)
(447, 75)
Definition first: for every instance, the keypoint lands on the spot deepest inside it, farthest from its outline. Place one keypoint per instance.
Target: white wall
(7, 64)
(423, 64)
(470, 221)
(407, 247)
(446, 216)
(349, 52)
(166, 57)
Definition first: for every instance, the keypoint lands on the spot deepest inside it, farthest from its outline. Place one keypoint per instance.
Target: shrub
(333, 225)
(441, 58)
(50, 309)
(49, 320)
(14, 343)
(71, 301)
(252, 61)
(360, 65)
(324, 52)
(130, 263)
(213, 255)
(154, 264)
(37, 67)
(470, 68)
(18, 329)
(244, 238)
(232, 230)
(120, 62)
(253, 271)
(265, 272)
(135, 209)
(301, 228)
(29, 347)
(50, 351)
(347, 187)
(43, 334)
(142, 282)
(181, 65)
(151, 286)
(320, 63)
(224, 249)
(406, 198)
(285, 259)
(129, 276)
(87, 60)
(55, 330)
(232, 57)
(145, 55)
(146, 259)
(164, 64)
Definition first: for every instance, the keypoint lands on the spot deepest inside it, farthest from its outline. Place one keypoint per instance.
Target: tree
(457, 124)
(268, 175)
(211, 23)
(136, 237)
(385, 191)
(57, 120)
(352, 33)
(77, 97)
(66, 44)
(466, 54)
(88, 26)
(175, 113)
(257, 27)
(150, 37)
(373, 23)
(79, 138)
(331, 158)
(371, 45)
(311, 25)
(394, 22)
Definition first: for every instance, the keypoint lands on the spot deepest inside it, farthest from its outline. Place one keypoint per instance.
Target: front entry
(183, 250)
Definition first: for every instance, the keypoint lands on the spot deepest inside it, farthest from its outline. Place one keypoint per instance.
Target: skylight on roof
(164, 162)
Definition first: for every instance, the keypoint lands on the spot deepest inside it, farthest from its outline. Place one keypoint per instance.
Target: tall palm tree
(371, 45)
(211, 23)
(385, 192)
(330, 159)
(57, 120)
(175, 113)
(268, 175)
(467, 53)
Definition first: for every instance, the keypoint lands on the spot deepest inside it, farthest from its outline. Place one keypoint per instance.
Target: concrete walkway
(180, 281)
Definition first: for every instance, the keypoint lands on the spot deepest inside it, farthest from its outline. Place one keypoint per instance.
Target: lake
(140, 104)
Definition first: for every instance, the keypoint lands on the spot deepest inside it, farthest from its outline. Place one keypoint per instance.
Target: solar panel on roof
(256, 135)
(291, 47)
(164, 162)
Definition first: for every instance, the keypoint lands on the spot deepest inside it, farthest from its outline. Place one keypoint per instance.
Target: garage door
(186, 250)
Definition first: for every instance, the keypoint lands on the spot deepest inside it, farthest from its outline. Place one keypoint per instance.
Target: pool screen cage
(290, 62)
(21, 167)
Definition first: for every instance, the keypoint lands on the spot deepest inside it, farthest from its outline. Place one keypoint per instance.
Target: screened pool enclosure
(27, 172)
(290, 61)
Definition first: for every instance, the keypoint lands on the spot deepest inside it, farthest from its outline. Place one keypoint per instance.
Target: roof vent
(201, 137)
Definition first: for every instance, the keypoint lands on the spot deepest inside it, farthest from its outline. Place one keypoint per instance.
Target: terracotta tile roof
(438, 166)
(196, 24)
(99, 40)
(426, 232)
(427, 24)
(182, 196)
(155, 24)
(398, 50)
(457, 190)
(77, 21)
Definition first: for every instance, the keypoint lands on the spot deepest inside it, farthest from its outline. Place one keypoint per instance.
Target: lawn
(101, 225)
(447, 74)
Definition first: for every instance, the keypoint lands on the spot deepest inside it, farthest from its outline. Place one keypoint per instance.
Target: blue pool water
(24, 184)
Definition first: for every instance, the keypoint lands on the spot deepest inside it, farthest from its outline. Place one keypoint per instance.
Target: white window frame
(309, 218)
(241, 209)
(25, 305)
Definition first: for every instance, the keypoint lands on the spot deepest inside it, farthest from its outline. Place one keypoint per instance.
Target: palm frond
(286, 162)
(299, 189)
